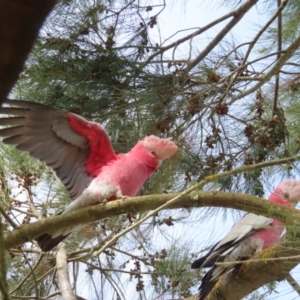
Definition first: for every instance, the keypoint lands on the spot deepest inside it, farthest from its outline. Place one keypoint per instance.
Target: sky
(176, 21)
(190, 16)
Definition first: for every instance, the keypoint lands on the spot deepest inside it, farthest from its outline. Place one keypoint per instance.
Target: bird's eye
(153, 153)
(286, 195)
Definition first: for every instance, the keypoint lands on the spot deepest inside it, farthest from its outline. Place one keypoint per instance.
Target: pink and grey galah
(80, 153)
(251, 234)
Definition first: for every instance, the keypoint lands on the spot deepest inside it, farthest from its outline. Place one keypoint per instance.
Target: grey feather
(14, 140)
(45, 133)
(12, 121)
(11, 131)
(245, 226)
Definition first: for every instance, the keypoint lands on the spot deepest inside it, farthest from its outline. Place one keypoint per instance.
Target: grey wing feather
(236, 245)
(45, 133)
(12, 121)
(245, 227)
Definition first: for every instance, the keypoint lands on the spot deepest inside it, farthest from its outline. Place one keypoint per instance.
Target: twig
(238, 15)
(186, 38)
(7, 218)
(253, 42)
(289, 51)
(256, 260)
(63, 274)
(289, 278)
(3, 282)
(279, 49)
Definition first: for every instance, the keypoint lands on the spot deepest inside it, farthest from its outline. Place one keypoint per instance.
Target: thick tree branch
(192, 197)
(266, 267)
(92, 214)
(254, 274)
(20, 21)
(25, 233)
(197, 186)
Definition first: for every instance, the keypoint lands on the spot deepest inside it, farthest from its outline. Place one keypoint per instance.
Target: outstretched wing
(73, 147)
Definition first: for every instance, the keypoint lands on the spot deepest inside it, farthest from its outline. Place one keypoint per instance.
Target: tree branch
(91, 214)
(238, 15)
(293, 283)
(63, 274)
(289, 216)
(3, 282)
(197, 32)
(279, 49)
(257, 272)
(25, 233)
(289, 51)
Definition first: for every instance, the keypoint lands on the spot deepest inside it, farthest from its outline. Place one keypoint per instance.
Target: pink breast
(271, 234)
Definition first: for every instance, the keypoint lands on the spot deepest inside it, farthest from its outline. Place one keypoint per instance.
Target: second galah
(251, 234)
(80, 153)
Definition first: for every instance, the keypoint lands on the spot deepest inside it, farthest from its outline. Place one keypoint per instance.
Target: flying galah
(251, 234)
(80, 153)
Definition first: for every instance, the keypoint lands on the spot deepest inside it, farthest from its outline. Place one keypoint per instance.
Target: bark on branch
(288, 215)
(3, 281)
(259, 271)
(63, 274)
(268, 266)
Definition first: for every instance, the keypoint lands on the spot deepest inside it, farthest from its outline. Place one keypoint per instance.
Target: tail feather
(47, 243)
(199, 263)
(207, 285)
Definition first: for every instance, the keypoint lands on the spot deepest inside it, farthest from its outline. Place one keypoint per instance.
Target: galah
(80, 153)
(251, 234)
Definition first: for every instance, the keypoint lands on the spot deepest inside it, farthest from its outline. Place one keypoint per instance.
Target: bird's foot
(119, 195)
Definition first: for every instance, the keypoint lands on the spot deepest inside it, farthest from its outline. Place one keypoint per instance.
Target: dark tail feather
(47, 243)
(205, 290)
(198, 263)
(207, 285)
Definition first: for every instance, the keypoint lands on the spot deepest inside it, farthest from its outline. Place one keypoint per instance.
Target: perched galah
(80, 153)
(251, 234)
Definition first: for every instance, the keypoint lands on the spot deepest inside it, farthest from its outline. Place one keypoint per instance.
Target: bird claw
(119, 195)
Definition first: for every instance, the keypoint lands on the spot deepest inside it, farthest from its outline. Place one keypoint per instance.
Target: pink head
(161, 148)
(287, 192)
(152, 151)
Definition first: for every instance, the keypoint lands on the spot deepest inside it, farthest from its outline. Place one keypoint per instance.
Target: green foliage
(103, 60)
(172, 275)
